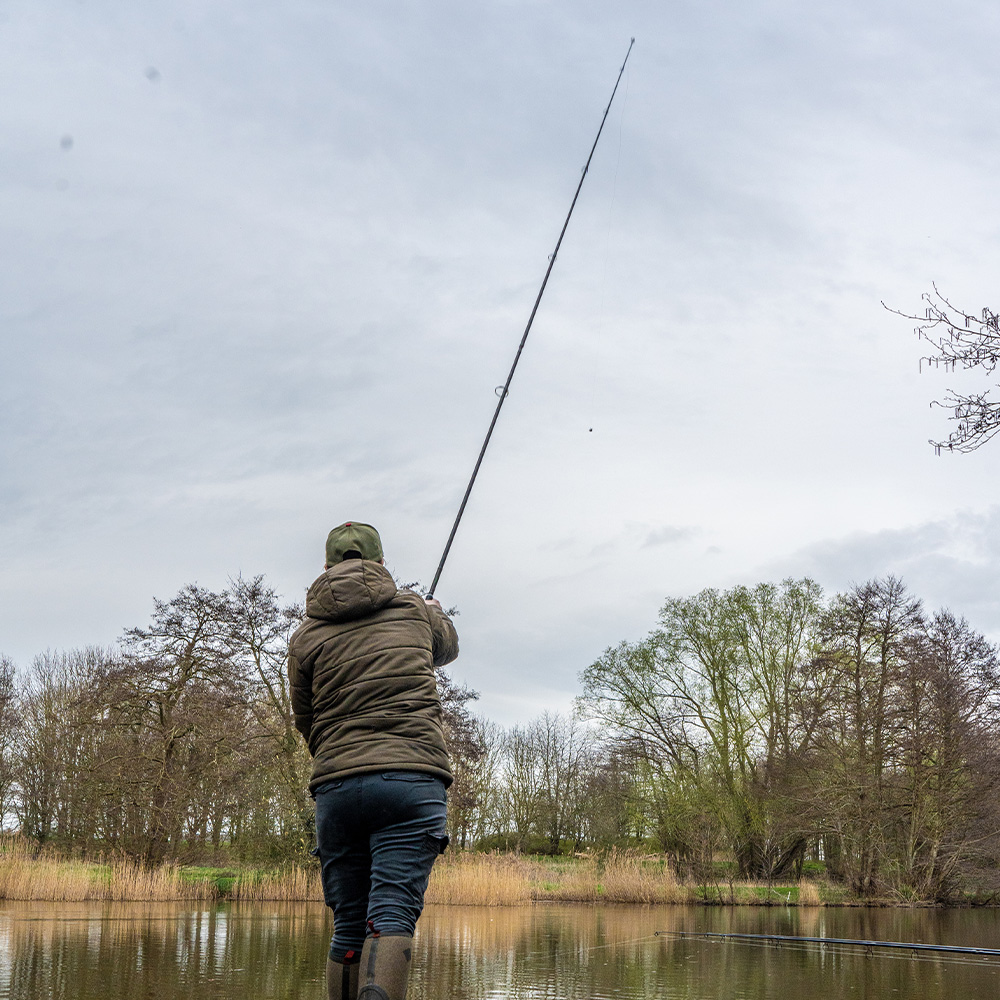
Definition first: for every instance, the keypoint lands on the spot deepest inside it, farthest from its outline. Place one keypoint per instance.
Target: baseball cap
(353, 536)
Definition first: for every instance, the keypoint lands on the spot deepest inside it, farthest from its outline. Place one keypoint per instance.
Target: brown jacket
(361, 669)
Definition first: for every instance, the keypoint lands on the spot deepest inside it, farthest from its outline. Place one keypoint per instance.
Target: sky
(263, 266)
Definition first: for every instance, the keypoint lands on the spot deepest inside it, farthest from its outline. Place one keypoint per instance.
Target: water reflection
(165, 951)
(634, 952)
(169, 951)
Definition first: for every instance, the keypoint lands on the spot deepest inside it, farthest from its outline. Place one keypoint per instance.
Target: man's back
(361, 668)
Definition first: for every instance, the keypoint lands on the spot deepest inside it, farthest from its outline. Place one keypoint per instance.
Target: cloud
(951, 562)
(668, 535)
(276, 278)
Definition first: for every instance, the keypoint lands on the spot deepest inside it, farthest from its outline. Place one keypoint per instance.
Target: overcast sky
(264, 265)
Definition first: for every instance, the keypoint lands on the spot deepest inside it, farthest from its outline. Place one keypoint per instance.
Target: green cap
(353, 536)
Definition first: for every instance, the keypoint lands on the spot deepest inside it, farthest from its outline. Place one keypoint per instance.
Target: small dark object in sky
(66, 143)
(591, 429)
(152, 74)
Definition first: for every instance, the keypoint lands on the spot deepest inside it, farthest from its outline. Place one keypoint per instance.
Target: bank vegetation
(460, 878)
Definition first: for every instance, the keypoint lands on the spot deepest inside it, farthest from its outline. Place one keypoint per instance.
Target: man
(364, 695)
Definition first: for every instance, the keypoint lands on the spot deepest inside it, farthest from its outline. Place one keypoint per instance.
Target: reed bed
(619, 877)
(128, 881)
(481, 880)
(458, 878)
(507, 880)
(288, 885)
(627, 878)
(25, 876)
(809, 894)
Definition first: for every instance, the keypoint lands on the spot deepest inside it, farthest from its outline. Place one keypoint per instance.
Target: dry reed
(292, 884)
(131, 882)
(25, 875)
(507, 880)
(628, 878)
(458, 878)
(620, 877)
(480, 879)
(809, 894)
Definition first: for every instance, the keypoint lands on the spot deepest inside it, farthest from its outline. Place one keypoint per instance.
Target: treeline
(176, 743)
(757, 728)
(764, 727)
(178, 738)
(768, 724)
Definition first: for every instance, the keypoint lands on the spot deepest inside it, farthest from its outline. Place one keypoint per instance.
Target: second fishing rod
(527, 330)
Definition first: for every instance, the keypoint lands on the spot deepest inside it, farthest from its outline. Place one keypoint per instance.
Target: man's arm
(445, 638)
(300, 687)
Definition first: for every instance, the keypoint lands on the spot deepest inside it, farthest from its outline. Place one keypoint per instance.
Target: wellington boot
(342, 980)
(385, 965)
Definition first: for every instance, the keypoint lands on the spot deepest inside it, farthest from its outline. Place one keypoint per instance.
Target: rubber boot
(385, 966)
(342, 979)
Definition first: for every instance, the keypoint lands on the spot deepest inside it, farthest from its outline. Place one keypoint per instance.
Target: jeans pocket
(439, 844)
(406, 776)
(328, 786)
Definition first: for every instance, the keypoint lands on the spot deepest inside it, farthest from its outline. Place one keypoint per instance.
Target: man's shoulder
(404, 604)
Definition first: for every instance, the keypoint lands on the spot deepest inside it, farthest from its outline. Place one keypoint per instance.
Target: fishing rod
(524, 337)
(796, 939)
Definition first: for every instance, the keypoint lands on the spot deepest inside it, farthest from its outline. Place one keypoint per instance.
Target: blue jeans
(378, 837)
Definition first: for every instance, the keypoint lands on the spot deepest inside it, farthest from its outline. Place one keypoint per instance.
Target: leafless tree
(8, 724)
(256, 630)
(868, 641)
(465, 748)
(961, 340)
(949, 763)
(483, 776)
(564, 753)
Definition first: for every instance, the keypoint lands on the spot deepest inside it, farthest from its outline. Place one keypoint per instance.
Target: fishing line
(524, 337)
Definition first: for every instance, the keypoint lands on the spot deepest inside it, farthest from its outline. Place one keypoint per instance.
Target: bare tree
(563, 750)
(483, 775)
(8, 716)
(950, 764)
(176, 680)
(868, 636)
(462, 736)
(961, 340)
(521, 786)
(256, 630)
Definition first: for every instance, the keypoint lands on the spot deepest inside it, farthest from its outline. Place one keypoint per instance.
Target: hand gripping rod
(524, 337)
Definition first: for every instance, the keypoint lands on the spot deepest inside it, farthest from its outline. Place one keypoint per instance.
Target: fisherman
(364, 695)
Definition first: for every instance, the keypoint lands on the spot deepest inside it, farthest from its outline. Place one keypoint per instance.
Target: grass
(458, 878)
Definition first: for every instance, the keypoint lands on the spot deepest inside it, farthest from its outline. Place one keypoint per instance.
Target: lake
(168, 951)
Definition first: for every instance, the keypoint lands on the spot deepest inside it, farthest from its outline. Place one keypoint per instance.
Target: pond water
(76, 951)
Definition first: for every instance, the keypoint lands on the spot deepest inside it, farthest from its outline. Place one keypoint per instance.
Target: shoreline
(458, 879)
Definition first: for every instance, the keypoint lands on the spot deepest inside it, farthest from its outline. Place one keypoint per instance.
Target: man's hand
(432, 600)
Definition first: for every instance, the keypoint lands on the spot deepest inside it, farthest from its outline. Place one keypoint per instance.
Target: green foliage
(760, 722)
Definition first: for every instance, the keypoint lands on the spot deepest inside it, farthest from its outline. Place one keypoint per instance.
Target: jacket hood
(350, 589)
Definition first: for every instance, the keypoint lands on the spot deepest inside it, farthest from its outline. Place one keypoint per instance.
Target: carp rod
(911, 946)
(524, 337)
